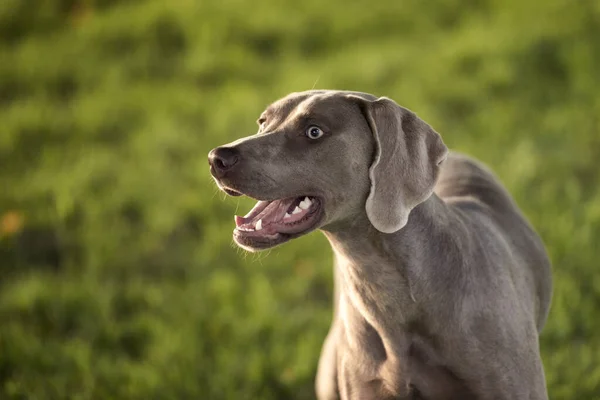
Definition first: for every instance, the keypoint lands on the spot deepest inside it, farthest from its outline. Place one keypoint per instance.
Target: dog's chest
(381, 356)
(368, 368)
(371, 364)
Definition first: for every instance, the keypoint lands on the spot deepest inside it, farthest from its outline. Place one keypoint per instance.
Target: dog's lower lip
(231, 192)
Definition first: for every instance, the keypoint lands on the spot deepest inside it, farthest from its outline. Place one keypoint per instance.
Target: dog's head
(322, 158)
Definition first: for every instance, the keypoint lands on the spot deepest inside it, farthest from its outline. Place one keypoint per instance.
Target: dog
(441, 285)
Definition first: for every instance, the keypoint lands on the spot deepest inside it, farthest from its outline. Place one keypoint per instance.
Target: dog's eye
(314, 132)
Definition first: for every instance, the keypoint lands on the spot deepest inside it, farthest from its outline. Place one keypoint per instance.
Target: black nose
(222, 159)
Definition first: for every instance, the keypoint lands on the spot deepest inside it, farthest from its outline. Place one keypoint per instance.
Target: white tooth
(287, 215)
(305, 204)
(258, 225)
(296, 210)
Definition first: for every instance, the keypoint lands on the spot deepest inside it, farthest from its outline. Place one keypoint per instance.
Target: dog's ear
(406, 162)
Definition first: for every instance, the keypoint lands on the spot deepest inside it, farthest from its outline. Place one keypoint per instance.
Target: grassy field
(118, 275)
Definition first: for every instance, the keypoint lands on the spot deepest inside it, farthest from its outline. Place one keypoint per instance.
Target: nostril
(223, 158)
(220, 164)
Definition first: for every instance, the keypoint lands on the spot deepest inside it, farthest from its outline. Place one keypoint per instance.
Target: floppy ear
(406, 163)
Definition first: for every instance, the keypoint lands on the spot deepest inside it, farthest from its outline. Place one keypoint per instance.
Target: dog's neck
(357, 241)
(379, 273)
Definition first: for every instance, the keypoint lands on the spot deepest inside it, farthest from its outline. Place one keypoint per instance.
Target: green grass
(118, 276)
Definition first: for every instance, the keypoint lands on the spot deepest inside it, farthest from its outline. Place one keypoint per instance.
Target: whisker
(315, 84)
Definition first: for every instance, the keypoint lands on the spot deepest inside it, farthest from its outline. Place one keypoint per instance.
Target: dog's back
(469, 186)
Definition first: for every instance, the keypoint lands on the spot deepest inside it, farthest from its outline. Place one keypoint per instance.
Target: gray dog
(441, 285)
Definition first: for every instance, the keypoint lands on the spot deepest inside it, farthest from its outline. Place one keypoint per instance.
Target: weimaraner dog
(441, 285)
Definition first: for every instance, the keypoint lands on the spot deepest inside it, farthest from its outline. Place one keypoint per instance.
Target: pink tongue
(260, 206)
(269, 212)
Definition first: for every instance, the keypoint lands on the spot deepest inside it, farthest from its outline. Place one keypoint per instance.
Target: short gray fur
(441, 285)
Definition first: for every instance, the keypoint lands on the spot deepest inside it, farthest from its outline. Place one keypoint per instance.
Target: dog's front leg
(326, 382)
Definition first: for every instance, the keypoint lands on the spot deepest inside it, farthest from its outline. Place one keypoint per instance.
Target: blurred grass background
(118, 276)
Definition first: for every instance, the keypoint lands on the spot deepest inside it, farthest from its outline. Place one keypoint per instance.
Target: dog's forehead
(323, 102)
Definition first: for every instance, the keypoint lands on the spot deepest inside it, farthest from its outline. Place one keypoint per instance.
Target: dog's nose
(222, 159)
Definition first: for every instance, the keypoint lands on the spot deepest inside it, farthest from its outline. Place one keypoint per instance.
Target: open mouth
(270, 223)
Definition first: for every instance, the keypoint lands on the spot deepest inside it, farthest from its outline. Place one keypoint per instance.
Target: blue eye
(314, 132)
